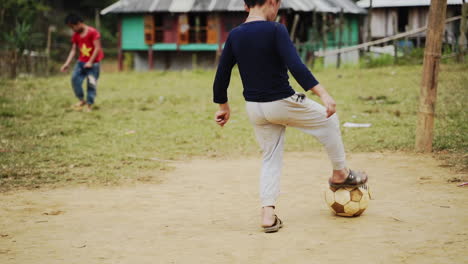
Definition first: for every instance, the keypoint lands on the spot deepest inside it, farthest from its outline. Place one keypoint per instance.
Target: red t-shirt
(86, 46)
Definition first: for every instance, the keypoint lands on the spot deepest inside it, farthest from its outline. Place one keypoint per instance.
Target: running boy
(264, 53)
(88, 40)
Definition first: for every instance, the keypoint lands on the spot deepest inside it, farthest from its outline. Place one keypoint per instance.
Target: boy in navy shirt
(264, 53)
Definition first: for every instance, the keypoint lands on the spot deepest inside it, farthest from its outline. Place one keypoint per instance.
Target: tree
(16, 20)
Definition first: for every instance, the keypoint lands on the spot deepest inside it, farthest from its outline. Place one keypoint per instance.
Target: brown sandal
(275, 227)
(354, 179)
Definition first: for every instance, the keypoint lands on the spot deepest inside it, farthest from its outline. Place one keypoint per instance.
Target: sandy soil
(206, 211)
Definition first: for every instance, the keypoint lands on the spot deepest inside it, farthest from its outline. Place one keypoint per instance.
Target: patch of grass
(145, 120)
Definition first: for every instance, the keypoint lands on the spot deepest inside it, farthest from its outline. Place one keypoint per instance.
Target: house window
(198, 28)
(157, 27)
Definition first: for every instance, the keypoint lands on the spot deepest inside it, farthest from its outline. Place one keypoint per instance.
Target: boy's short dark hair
(73, 19)
(252, 3)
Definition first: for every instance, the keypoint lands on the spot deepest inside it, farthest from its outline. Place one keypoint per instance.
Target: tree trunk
(13, 64)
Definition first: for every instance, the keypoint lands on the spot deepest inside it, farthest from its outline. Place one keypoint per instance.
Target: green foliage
(145, 121)
(370, 61)
(13, 12)
(21, 37)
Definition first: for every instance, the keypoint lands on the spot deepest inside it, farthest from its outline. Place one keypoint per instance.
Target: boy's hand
(329, 103)
(64, 68)
(327, 100)
(88, 65)
(223, 114)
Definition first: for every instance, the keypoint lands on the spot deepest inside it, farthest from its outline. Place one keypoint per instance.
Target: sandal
(275, 227)
(354, 179)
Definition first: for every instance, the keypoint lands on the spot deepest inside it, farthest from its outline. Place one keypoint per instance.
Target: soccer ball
(348, 201)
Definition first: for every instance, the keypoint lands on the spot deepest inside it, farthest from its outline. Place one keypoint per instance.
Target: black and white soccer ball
(348, 201)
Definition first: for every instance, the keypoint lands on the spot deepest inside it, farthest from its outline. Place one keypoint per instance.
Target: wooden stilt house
(390, 17)
(183, 34)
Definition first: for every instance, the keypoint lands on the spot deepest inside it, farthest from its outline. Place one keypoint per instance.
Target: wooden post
(395, 42)
(340, 38)
(150, 57)
(324, 31)
(119, 44)
(194, 60)
(219, 51)
(407, 48)
(97, 19)
(48, 48)
(428, 94)
(294, 27)
(462, 40)
(313, 35)
(369, 24)
(197, 29)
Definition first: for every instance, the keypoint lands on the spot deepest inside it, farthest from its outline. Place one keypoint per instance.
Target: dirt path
(206, 212)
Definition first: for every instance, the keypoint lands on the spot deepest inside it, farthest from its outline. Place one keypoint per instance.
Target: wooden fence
(29, 63)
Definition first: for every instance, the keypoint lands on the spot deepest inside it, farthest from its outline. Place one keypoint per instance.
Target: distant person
(88, 41)
(264, 52)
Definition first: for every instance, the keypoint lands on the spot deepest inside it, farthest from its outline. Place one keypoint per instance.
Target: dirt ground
(206, 211)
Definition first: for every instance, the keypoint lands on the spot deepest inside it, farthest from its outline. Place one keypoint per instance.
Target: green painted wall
(133, 38)
(350, 35)
(199, 47)
(133, 33)
(350, 32)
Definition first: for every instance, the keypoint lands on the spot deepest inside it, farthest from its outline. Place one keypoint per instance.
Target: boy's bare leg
(268, 216)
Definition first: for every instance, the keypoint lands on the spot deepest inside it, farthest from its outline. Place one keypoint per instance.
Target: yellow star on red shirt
(85, 51)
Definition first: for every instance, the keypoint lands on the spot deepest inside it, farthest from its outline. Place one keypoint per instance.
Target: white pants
(270, 120)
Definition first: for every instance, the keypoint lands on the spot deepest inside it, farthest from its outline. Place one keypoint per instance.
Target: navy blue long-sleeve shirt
(264, 53)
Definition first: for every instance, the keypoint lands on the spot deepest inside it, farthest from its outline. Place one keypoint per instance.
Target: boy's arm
(327, 100)
(97, 49)
(71, 55)
(221, 84)
(300, 72)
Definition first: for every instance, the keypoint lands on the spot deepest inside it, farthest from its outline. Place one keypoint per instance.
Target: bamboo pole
(395, 42)
(294, 27)
(97, 19)
(313, 35)
(382, 40)
(428, 94)
(340, 38)
(150, 57)
(218, 37)
(462, 41)
(324, 31)
(119, 44)
(369, 24)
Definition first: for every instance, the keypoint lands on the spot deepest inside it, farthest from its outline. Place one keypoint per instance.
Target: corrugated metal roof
(183, 6)
(235, 5)
(201, 5)
(350, 6)
(161, 5)
(401, 3)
